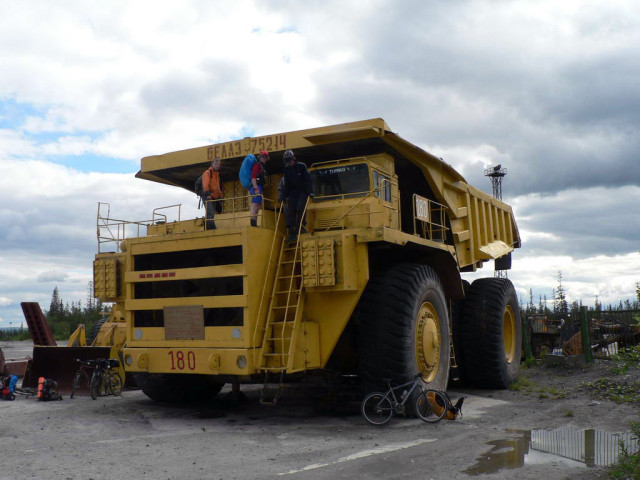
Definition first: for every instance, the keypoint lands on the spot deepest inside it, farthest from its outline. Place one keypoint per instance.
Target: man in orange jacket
(212, 190)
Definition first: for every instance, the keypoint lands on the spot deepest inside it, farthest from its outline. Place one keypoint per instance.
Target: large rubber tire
(491, 333)
(178, 388)
(95, 330)
(457, 308)
(400, 309)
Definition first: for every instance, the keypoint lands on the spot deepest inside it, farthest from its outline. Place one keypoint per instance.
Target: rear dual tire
(491, 334)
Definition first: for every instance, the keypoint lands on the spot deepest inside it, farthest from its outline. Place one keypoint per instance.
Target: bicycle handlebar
(100, 362)
(88, 363)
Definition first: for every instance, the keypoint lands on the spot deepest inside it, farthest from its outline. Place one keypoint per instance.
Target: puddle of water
(567, 446)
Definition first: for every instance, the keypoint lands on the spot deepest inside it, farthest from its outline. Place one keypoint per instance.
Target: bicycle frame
(391, 392)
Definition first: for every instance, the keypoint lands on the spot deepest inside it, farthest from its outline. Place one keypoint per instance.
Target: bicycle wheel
(76, 384)
(431, 406)
(96, 380)
(376, 408)
(115, 383)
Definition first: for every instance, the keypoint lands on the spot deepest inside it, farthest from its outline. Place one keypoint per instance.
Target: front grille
(189, 288)
(328, 222)
(213, 317)
(199, 287)
(207, 257)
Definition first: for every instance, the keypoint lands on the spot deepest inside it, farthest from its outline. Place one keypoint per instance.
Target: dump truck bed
(482, 227)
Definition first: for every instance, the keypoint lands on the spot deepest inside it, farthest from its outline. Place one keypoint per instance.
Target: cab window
(345, 181)
(382, 191)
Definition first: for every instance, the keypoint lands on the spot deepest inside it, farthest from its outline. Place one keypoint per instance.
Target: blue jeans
(210, 210)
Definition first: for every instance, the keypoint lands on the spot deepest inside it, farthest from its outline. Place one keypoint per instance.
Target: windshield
(347, 180)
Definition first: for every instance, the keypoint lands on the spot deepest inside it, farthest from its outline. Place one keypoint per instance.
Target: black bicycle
(104, 380)
(378, 407)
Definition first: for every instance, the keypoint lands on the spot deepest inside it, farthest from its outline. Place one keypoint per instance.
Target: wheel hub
(427, 342)
(509, 339)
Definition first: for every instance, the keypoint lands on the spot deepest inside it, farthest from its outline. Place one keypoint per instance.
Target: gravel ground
(302, 437)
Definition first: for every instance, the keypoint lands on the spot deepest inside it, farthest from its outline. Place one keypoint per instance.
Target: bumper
(206, 361)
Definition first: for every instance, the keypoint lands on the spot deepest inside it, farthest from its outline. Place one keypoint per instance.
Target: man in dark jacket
(296, 189)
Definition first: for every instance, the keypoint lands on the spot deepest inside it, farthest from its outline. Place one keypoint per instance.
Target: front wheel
(96, 380)
(178, 388)
(376, 408)
(431, 406)
(404, 328)
(76, 384)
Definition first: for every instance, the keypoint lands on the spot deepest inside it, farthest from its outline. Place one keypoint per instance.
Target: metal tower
(496, 174)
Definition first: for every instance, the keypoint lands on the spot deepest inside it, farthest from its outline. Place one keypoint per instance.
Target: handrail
(155, 212)
(382, 182)
(107, 224)
(233, 203)
(264, 288)
(361, 160)
(441, 227)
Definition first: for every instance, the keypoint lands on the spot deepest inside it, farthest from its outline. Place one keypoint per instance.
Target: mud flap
(59, 364)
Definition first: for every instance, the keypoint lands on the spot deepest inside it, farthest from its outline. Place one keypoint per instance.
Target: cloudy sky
(548, 89)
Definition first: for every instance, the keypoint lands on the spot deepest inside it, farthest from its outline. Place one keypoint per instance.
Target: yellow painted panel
(187, 273)
(207, 302)
(190, 360)
(188, 242)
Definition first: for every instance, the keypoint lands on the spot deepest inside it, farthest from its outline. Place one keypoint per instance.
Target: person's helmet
(265, 153)
(288, 155)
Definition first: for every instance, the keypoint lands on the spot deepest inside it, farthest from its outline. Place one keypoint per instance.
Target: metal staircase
(285, 312)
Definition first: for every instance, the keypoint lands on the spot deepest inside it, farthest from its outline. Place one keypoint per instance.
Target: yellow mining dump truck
(371, 290)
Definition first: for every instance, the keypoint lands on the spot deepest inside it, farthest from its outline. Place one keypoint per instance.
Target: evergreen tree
(560, 300)
(546, 306)
(575, 306)
(531, 308)
(55, 307)
(540, 306)
(90, 299)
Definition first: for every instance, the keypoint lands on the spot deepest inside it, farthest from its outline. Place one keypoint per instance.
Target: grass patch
(628, 465)
(528, 386)
(521, 383)
(627, 359)
(568, 413)
(619, 392)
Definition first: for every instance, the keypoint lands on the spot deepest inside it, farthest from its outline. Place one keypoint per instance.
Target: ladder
(285, 312)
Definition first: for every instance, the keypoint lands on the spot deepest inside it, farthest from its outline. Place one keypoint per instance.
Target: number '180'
(180, 361)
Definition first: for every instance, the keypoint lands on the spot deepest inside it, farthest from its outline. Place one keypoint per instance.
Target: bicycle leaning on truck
(104, 379)
(378, 407)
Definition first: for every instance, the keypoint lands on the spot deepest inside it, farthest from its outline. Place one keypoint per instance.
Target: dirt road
(132, 437)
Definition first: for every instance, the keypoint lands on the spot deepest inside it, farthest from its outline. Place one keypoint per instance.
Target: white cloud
(477, 83)
(4, 301)
(52, 277)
